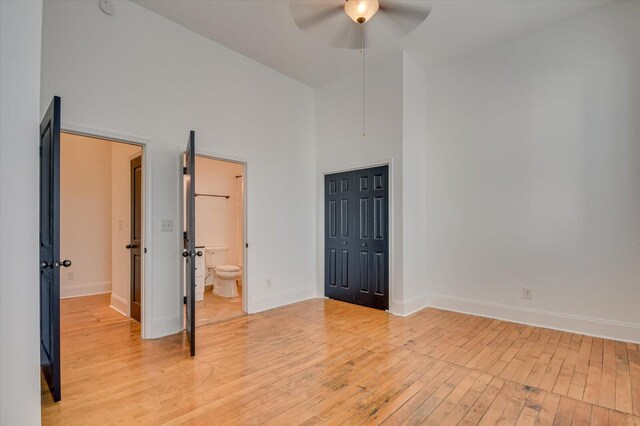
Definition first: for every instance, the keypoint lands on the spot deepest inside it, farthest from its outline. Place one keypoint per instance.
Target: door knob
(185, 254)
(364, 244)
(55, 264)
(344, 242)
(131, 246)
(199, 253)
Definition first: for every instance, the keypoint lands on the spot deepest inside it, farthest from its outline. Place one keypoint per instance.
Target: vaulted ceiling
(264, 31)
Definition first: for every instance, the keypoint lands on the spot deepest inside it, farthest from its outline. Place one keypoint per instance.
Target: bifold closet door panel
(339, 236)
(372, 237)
(356, 237)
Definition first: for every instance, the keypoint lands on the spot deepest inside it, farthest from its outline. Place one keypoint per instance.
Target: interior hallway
(328, 361)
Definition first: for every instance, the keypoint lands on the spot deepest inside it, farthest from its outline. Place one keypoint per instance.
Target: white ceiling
(264, 31)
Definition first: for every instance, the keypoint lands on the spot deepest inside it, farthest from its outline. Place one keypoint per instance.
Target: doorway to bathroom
(220, 236)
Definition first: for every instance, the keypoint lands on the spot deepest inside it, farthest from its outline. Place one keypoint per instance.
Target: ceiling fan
(328, 19)
(340, 22)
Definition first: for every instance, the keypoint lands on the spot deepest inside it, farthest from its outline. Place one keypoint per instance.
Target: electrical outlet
(527, 293)
(166, 225)
(268, 282)
(70, 275)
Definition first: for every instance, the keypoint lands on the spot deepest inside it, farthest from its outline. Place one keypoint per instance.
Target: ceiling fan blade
(307, 14)
(350, 36)
(326, 20)
(406, 16)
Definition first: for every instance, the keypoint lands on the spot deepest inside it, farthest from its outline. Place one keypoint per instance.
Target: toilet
(225, 276)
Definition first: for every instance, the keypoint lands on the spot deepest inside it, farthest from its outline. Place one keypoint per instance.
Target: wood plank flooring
(323, 361)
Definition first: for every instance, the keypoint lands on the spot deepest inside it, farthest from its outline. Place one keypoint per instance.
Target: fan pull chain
(363, 83)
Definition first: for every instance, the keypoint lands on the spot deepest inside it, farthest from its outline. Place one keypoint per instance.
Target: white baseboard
(408, 307)
(596, 327)
(165, 327)
(281, 299)
(84, 289)
(120, 305)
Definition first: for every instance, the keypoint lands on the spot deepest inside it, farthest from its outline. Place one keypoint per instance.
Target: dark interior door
(189, 252)
(339, 237)
(135, 243)
(50, 247)
(372, 237)
(357, 237)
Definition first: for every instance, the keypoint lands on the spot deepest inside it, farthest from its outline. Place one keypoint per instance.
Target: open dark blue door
(189, 252)
(50, 248)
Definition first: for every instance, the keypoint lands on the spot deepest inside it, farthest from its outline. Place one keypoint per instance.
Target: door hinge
(184, 170)
(40, 150)
(145, 249)
(184, 299)
(246, 245)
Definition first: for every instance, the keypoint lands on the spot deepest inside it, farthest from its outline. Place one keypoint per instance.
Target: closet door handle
(364, 244)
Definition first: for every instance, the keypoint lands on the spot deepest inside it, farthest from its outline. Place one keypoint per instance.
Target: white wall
(120, 223)
(20, 31)
(341, 146)
(532, 177)
(95, 202)
(85, 215)
(219, 220)
(413, 183)
(160, 82)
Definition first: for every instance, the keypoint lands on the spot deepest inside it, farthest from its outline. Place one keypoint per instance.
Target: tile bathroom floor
(216, 308)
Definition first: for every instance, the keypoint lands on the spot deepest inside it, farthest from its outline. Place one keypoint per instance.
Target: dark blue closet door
(372, 237)
(339, 237)
(356, 237)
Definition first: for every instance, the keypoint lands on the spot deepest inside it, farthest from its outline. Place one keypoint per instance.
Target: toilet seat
(227, 268)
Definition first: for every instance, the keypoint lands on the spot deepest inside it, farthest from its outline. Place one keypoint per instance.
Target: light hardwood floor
(323, 361)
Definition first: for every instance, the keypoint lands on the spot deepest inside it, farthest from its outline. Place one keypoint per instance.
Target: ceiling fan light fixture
(361, 10)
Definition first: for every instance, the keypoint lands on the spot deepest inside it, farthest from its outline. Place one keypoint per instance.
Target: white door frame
(320, 259)
(244, 162)
(147, 271)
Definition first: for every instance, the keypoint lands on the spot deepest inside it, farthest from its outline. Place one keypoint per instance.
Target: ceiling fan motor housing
(361, 10)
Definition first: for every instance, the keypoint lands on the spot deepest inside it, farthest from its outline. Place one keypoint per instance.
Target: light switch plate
(166, 225)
